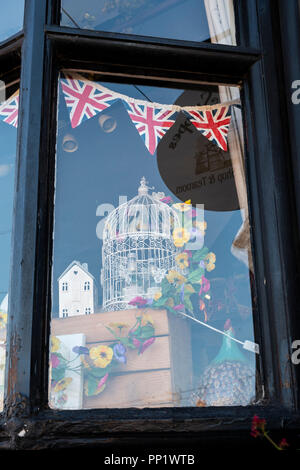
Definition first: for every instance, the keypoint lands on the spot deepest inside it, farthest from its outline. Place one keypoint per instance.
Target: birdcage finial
(143, 189)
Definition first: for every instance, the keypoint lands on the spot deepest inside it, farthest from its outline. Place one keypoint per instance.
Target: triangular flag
(212, 123)
(9, 110)
(151, 122)
(84, 99)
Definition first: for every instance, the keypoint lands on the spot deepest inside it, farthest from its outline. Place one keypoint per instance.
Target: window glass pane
(11, 18)
(193, 20)
(153, 279)
(9, 99)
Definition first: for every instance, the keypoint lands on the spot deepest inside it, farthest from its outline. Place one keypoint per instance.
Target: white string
(127, 99)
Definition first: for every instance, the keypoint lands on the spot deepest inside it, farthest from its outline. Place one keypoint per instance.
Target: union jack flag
(151, 123)
(10, 109)
(213, 124)
(84, 99)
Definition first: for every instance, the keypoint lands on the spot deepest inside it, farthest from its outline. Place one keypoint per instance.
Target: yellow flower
(62, 384)
(210, 260)
(157, 295)
(174, 276)
(119, 325)
(3, 320)
(180, 237)
(182, 260)
(101, 355)
(84, 363)
(201, 226)
(146, 318)
(170, 302)
(55, 344)
(183, 206)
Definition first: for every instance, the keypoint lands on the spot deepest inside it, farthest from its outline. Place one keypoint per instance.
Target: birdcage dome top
(143, 215)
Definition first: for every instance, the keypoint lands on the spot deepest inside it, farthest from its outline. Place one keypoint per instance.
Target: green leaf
(147, 332)
(58, 373)
(198, 255)
(196, 275)
(188, 304)
(91, 386)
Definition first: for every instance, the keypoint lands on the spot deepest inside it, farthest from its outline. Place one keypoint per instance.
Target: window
(11, 20)
(200, 20)
(65, 312)
(94, 192)
(88, 311)
(8, 136)
(171, 263)
(64, 286)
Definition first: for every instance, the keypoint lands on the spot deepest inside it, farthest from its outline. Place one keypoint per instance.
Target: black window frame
(265, 65)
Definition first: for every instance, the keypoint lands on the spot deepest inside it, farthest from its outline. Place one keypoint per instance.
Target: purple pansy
(119, 352)
(80, 350)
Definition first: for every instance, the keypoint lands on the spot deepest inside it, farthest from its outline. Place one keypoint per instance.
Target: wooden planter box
(160, 377)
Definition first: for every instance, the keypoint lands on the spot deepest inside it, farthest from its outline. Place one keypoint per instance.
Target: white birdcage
(138, 248)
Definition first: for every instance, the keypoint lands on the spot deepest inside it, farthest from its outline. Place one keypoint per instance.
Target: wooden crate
(157, 378)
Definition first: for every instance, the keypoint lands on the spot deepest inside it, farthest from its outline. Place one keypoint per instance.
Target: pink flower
(54, 361)
(166, 200)
(205, 285)
(136, 342)
(138, 302)
(178, 307)
(283, 443)
(146, 345)
(102, 382)
(258, 426)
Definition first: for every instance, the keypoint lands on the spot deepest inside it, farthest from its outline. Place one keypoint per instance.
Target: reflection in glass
(153, 279)
(11, 18)
(193, 20)
(8, 136)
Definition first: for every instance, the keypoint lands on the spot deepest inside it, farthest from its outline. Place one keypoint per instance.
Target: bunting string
(85, 99)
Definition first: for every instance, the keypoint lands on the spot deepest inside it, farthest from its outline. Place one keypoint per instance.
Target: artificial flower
(182, 259)
(62, 384)
(201, 226)
(157, 295)
(80, 350)
(85, 364)
(175, 277)
(146, 345)
(119, 352)
(205, 285)
(3, 320)
(101, 355)
(138, 302)
(146, 318)
(210, 260)
(283, 443)
(180, 237)
(178, 307)
(166, 200)
(170, 302)
(118, 325)
(55, 344)
(102, 384)
(258, 426)
(136, 342)
(183, 206)
(54, 361)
